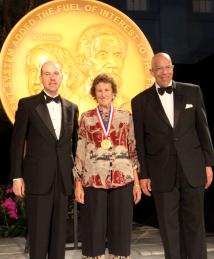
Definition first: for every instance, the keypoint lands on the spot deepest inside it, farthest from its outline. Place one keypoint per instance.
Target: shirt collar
(157, 85)
(49, 94)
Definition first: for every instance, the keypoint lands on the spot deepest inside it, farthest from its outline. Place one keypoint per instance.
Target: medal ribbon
(106, 128)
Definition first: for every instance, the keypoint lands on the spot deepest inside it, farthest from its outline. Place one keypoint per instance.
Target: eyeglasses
(161, 69)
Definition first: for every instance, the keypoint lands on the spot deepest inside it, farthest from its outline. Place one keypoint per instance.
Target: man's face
(162, 70)
(106, 56)
(51, 77)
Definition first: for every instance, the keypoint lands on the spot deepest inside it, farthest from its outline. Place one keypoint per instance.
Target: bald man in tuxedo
(176, 158)
(43, 147)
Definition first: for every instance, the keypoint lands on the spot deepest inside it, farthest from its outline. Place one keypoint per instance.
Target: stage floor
(146, 244)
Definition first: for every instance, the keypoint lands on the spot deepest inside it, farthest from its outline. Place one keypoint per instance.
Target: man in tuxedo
(176, 154)
(42, 153)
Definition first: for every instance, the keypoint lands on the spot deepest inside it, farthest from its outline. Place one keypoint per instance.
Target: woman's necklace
(105, 115)
(105, 119)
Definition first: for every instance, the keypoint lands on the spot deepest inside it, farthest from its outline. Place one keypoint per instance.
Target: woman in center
(106, 174)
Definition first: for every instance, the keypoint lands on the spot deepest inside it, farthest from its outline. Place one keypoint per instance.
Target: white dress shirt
(167, 101)
(55, 111)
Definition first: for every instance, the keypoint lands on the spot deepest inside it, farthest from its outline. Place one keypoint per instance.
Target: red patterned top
(102, 168)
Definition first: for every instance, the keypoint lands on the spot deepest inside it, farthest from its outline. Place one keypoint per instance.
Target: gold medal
(106, 144)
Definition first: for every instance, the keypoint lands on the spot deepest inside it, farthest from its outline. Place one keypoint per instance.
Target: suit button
(175, 139)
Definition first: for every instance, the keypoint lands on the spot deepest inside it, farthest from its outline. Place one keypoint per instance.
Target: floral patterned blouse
(101, 168)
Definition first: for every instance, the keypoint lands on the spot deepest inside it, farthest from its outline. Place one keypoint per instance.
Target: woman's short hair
(105, 79)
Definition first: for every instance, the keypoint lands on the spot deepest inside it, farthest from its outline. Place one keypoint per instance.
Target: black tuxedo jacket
(159, 145)
(36, 154)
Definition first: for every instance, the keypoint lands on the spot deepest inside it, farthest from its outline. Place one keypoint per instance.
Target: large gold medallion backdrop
(86, 37)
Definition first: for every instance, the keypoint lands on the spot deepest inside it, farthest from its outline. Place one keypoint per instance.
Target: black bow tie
(49, 99)
(162, 90)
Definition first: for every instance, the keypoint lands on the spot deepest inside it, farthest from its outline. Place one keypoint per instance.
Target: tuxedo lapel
(158, 107)
(42, 111)
(178, 103)
(65, 118)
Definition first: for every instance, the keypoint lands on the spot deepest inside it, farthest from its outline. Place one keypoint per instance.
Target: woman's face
(104, 94)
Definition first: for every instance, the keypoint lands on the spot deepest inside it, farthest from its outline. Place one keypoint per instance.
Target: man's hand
(136, 193)
(79, 192)
(146, 186)
(209, 174)
(19, 187)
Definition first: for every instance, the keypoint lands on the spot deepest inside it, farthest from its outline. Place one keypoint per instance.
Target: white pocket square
(188, 105)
